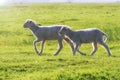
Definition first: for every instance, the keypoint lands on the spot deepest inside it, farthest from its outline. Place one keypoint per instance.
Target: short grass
(18, 60)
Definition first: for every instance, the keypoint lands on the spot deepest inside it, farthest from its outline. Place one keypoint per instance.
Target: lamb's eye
(30, 21)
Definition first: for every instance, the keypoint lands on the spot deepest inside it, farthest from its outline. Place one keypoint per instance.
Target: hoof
(92, 55)
(37, 52)
(73, 54)
(110, 55)
(55, 54)
(40, 54)
(84, 54)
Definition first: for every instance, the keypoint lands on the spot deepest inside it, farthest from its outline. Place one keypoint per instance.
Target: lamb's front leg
(42, 46)
(35, 48)
(80, 51)
(60, 47)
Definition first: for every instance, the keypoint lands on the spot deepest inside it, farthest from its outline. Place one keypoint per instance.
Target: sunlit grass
(18, 60)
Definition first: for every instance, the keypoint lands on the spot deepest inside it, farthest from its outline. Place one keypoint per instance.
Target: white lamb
(44, 33)
(91, 35)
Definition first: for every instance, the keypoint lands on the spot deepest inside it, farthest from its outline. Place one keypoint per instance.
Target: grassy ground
(18, 60)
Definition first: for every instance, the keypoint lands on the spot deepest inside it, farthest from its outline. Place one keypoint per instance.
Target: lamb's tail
(105, 36)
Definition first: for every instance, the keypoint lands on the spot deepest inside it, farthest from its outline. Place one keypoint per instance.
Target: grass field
(18, 60)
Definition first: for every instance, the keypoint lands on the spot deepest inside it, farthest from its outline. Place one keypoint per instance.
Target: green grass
(18, 60)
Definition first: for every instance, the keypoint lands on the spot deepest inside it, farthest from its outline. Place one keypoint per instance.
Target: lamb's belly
(87, 41)
(51, 38)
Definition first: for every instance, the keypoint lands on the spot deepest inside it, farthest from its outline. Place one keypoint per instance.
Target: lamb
(92, 35)
(43, 33)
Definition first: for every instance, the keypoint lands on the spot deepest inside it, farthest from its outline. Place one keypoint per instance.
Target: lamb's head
(63, 31)
(29, 23)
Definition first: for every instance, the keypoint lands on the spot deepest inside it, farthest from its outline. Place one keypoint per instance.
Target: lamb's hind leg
(76, 48)
(107, 48)
(70, 43)
(94, 44)
(60, 47)
(42, 46)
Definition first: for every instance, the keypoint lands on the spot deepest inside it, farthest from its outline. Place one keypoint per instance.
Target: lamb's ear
(27, 20)
(30, 21)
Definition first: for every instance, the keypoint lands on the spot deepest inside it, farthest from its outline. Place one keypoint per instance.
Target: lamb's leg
(35, 48)
(60, 47)
(70, 43)
(76, 48)
(42, 46)
(72, 46)
(94, 44)
(80, 51)
(107, 48)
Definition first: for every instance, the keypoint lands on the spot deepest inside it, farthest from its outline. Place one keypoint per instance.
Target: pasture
(18, 60)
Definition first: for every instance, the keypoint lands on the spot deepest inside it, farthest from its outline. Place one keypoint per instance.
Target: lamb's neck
(70, 34)
(34, 28)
